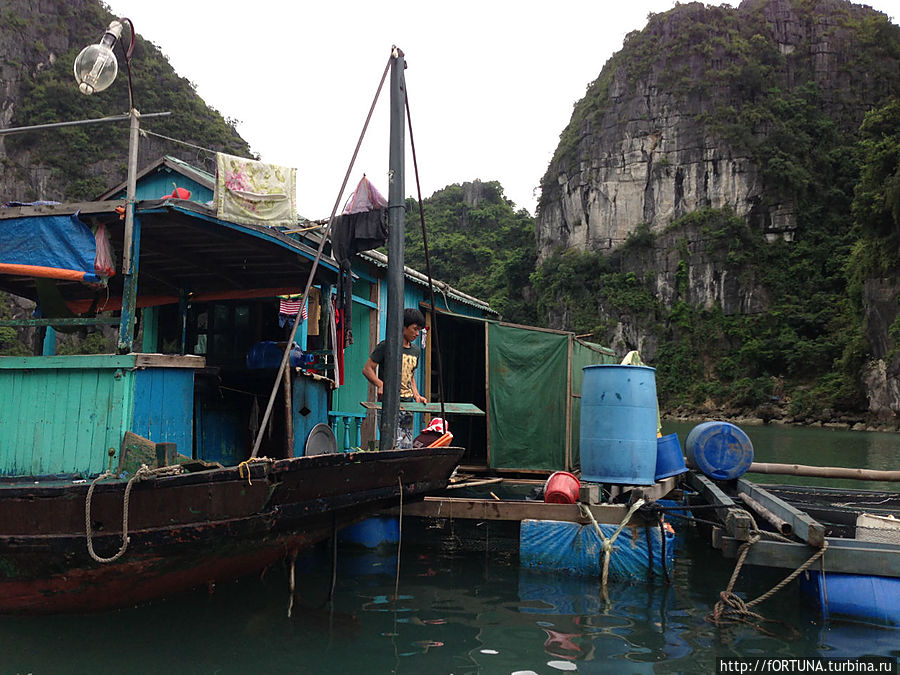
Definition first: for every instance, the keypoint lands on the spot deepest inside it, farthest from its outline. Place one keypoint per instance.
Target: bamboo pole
(824, 471)
(779, 524)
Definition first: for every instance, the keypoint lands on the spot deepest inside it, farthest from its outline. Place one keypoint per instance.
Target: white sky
(491, 83)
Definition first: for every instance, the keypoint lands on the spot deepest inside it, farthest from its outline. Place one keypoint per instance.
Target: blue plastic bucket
(618, 425)
(720, 450)
(669, 458)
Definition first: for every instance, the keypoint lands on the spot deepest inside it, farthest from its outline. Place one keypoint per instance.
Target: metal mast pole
(396, 219)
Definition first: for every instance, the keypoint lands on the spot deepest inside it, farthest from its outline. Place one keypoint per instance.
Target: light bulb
(96, 66)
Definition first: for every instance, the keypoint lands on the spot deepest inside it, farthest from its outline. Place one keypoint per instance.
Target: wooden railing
(347, 429)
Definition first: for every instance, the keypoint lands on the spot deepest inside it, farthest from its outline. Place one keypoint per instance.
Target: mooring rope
(245, 465)
(732, 609)
(608, 542)
(141, 474)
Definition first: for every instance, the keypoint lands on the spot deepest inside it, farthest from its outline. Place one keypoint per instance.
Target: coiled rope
(731, 609)
(141, 474)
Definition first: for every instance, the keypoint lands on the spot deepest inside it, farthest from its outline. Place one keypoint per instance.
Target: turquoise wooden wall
(61, 414)
(158, 184)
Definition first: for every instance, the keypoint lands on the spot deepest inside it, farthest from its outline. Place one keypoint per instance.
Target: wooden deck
(494, 508)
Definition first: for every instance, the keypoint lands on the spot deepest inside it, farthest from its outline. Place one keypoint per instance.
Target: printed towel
(254, 193)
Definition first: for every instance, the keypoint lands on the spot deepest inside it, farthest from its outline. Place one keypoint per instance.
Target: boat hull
(192, 529)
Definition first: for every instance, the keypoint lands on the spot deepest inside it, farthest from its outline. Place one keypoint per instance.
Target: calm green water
(462, 606)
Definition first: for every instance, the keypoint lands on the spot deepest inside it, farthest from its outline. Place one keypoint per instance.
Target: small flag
(291, 305)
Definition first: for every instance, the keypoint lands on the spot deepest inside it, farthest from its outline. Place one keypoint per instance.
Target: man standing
(413, 323)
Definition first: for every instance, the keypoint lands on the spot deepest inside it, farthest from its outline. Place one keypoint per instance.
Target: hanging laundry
(361, 227)
(314, 309)
(255, 193)
(289, 306)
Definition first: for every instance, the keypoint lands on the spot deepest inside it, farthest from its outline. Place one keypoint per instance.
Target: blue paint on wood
(221, 432)
(163, 403)
(310, 395)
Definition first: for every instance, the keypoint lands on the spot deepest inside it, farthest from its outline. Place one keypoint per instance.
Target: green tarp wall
(528, 392)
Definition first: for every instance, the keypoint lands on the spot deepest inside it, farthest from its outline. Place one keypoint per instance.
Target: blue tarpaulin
(571, 548)
(55, 247)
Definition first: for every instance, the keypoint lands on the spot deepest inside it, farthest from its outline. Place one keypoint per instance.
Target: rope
(246, 465)
(732, 609)
(315, 264)
(437, 346)
(141, 474)
(608, 542)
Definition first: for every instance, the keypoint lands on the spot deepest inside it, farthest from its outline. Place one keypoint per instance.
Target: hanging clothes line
(145, 132)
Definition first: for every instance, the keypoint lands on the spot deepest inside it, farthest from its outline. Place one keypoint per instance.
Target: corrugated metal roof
(380, 260)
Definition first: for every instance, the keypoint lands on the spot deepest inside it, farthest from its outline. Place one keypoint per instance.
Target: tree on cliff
(478, 243)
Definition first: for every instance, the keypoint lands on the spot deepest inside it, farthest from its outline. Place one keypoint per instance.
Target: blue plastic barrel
(618, 424)
(720, 450)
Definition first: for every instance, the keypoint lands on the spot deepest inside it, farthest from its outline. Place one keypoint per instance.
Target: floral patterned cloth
(255, 193)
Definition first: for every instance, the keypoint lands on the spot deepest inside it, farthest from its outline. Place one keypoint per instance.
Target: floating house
(525, 382)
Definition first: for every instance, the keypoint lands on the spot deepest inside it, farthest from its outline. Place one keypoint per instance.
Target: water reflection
(461, 605)
(816, 447)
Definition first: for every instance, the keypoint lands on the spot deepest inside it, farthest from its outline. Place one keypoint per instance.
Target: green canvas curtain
(527, 371)
(527, 394)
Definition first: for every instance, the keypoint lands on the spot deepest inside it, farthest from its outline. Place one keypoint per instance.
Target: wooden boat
(857, 578)
(75, 538)
(190, 529)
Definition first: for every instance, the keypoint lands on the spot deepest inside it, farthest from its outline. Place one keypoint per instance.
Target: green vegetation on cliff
(86, 160)
(478, 243)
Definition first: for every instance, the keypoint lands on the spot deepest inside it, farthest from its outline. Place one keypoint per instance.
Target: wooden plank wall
(163, 406)
(62, 420)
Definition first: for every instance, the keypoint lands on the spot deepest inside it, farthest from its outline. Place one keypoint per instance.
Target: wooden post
(487, 394)
(288, 416)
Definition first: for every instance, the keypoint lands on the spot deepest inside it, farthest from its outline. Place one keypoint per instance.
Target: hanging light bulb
(96, 66)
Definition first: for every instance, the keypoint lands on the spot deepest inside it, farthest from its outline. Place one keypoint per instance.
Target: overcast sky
(491, 83)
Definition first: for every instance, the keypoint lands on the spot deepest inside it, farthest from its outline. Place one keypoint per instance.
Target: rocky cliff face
(649, 153)
(685, 118)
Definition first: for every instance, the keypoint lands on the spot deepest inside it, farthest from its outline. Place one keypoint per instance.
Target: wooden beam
(804, 527)
(86, 208)
(455, 408)
(491, 509)
(843, 555)
(738, 522)
(782, 526)
(656, 491)
(824, 471)
(67, 321)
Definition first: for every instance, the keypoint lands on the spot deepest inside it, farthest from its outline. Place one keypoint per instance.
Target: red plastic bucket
(561, 488)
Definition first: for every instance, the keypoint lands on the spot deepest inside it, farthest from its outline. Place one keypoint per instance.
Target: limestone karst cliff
(657, 134)
(752, 112)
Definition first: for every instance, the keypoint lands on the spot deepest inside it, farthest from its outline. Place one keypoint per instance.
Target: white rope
(141, 474)
(609, 541)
